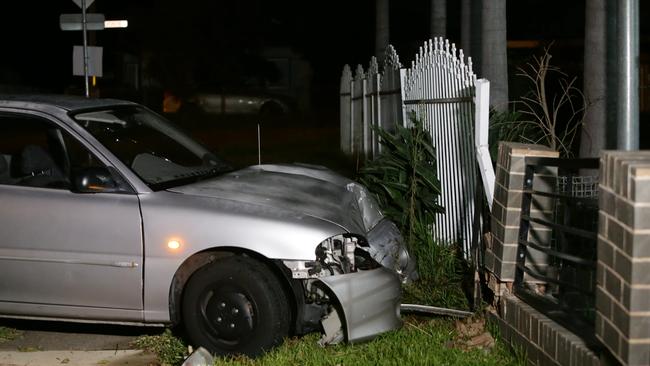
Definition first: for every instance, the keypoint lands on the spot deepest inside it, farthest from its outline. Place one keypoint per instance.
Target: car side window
(30, 153)
(79, 158)
(35, 152)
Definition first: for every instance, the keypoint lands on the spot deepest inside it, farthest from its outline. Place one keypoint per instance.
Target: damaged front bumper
(353, 285)
(369, 305)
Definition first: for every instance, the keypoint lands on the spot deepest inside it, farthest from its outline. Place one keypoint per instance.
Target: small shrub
(558, 115)
(442, 271)
(551, 113)
(169, 349)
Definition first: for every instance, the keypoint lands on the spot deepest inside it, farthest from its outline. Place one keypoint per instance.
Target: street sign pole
(92, 56)
(84, 26)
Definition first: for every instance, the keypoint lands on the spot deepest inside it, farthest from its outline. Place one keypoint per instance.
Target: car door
(63, 253)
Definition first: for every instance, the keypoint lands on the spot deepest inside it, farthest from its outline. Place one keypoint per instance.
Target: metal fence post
(482, 127)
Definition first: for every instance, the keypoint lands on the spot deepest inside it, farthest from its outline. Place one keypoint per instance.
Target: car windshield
(157, 151)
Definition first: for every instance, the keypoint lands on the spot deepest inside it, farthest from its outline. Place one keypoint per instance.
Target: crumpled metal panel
(387, 247)
(370, 301)
(319, 193)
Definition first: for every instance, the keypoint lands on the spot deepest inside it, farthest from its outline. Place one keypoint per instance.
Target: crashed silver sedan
(110, 214)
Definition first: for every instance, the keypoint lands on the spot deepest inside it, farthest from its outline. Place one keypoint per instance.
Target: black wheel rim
(228, 316)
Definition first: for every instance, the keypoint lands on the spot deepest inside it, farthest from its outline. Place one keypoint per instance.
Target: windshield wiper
(193, 177)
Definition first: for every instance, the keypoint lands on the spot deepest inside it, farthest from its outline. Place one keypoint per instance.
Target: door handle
(125, 264)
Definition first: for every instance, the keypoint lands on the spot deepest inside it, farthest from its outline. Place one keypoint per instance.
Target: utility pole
(628, 75)
(84, 25)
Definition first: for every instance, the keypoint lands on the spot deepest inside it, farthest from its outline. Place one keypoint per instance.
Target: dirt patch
(471, 333)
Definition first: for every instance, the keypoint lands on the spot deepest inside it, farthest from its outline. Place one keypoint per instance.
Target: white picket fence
(441, 89)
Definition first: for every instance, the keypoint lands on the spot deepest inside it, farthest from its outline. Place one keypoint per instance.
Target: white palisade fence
(368, 99)
(440, 89)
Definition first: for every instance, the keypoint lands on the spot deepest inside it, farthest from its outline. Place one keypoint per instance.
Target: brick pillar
(501, 250)
(623, 270)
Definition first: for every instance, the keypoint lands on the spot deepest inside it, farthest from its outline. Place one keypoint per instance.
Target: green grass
(419, 342)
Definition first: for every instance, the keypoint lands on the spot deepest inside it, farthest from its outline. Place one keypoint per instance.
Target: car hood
(304, 189)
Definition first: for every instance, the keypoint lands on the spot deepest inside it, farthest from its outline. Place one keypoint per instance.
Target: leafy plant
(405, 181)
(442, 271)
(169, 349)
(404, 177)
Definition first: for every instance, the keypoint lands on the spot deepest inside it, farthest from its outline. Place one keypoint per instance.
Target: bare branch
(559, 116)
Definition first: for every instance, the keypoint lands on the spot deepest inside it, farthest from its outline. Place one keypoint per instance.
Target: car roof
(69, 103)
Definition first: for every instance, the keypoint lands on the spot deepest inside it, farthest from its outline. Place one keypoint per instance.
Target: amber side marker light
(173, 244)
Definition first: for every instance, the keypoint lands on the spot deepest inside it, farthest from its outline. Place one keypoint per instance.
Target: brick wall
(544, 341)
(501, 250)
(623, 271)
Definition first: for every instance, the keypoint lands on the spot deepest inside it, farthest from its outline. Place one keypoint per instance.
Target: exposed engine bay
(340, 259)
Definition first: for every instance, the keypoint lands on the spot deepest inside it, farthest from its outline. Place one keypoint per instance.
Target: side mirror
(95, 180)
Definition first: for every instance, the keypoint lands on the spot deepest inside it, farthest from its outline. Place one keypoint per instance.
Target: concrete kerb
(78, 358)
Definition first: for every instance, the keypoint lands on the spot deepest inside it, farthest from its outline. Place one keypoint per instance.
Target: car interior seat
(38, 168)
(5, 176)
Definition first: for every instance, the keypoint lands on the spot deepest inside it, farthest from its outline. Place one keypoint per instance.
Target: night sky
(220, 40)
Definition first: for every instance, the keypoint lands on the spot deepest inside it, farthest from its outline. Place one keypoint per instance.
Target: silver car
(110, 214)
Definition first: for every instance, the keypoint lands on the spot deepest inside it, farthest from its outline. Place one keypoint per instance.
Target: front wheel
(235, 305)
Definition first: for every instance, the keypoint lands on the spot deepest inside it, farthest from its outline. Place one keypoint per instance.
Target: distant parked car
(230, 102)
(110, 214)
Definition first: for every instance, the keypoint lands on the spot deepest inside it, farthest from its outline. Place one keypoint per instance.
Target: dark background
(182, 45)
(219, 40)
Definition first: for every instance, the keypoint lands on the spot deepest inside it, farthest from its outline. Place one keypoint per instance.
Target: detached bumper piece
(370, 305)
(200, 357)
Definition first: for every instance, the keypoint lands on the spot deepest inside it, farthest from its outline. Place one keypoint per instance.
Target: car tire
(235, 305)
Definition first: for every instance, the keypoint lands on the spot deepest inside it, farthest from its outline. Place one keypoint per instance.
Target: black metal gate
(556, 273)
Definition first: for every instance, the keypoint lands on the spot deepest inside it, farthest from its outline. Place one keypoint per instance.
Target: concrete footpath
(77, 358)
(56, 343)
